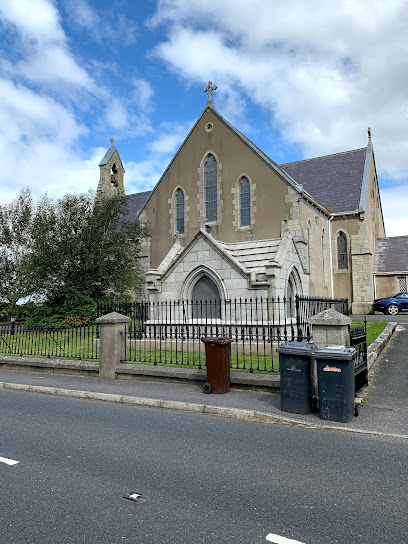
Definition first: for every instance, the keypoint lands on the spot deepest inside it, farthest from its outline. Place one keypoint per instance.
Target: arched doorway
(206, 299)
(293, 288)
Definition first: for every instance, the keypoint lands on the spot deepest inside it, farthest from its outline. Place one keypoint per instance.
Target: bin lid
(335, 352)
(297, 348)
(219, 340)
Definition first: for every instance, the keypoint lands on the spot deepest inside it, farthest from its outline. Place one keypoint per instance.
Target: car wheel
(392, 309)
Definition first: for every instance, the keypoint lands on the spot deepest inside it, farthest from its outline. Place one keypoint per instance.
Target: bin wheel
(356, 410)
(207, 388)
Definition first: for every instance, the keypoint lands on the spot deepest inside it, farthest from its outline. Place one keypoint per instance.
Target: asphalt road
(205, 479)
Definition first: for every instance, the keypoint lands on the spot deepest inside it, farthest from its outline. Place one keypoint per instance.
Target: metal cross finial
(111, 141)
(209, 89)
(369, 135)
(249, 236)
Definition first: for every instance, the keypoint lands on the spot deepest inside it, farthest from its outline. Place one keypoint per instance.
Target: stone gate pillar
(113, 343)
(330, 328)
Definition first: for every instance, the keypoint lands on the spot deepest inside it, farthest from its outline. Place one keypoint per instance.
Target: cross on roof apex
(111, 141)
(209, 89)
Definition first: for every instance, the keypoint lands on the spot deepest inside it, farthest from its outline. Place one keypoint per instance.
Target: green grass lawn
(61, 343)
(239, 363)
(374, 329)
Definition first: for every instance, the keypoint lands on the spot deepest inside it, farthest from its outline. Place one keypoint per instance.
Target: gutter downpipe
(331, 258)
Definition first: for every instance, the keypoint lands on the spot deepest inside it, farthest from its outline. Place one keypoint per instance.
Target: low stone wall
(135, 371)
(379, 344)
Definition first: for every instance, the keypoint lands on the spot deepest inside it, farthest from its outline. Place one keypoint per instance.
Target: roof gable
(274, 166)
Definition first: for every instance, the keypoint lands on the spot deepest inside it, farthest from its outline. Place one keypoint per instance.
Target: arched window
(180, 211)
(210, 184)
(324, 259)
(206, 299)
(309, 250)
(342, 261)
(244, 202)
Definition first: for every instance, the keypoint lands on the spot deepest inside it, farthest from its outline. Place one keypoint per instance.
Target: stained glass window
(342, 251)
(180, 211)
(245, 202)
(210, 179)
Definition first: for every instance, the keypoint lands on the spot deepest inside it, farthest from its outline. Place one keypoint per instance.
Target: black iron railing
(308, 306)
(59, 342)
(170, 332)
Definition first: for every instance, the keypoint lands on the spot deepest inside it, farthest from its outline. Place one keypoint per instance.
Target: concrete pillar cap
(329, 317)
(113, 317)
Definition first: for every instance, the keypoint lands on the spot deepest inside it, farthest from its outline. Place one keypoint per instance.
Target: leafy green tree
(83, 247)
(15, 246)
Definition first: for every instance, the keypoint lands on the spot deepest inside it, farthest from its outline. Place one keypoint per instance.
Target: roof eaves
(265, 158)
(366, 179)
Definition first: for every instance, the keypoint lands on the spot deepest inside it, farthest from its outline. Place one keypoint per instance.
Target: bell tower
(111, 173)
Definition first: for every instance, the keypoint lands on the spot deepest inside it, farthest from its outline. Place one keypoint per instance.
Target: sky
(300, 79)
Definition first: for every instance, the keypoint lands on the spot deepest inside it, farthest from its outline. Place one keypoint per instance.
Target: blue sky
(301, 79)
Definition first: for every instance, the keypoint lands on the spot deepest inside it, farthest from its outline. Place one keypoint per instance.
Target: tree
(83, 247)
(15, 243)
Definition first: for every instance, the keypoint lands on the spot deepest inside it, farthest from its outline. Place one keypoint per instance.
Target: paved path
(388, 387)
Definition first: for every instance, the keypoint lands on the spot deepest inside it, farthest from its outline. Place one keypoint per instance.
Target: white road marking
(276, 539)
(8, 461)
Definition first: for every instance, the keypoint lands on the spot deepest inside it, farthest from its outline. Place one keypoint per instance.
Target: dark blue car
(392, 305)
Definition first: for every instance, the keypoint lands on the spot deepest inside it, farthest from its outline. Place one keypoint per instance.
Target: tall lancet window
(244, 202)
(210, 183)
(342, 263)
(180, 211)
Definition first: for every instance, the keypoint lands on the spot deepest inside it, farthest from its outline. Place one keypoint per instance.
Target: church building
(228, 222)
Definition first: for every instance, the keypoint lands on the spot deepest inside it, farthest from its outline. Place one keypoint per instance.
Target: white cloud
(42, 52)
(112, 27)
(323, 72)
(171, 137)
(142, 95)
(45, 98)
(394, 202)
(143, 175)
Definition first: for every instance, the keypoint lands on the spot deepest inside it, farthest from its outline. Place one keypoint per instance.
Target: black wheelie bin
(335, 376)
(295, 385)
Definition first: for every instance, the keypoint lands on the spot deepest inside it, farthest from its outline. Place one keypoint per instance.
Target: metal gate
(358, 340)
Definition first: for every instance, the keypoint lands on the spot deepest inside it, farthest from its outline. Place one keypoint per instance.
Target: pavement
(384, 410)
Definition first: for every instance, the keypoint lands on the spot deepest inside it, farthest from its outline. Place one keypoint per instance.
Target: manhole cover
(134, 497)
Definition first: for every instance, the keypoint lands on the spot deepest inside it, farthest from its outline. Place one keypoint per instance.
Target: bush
(52, 314)
(76, 321)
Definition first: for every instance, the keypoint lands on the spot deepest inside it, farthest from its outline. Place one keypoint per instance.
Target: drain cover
(134, 497)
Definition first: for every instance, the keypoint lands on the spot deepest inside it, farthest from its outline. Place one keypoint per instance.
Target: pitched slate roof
(335, 181)
(135, 204)
(391, 255)
(253, 255)
(107, 156)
